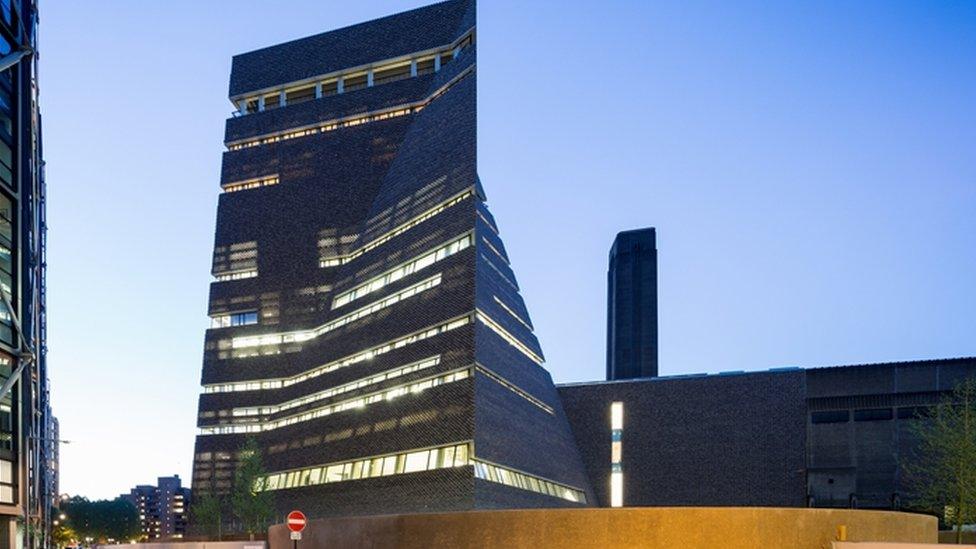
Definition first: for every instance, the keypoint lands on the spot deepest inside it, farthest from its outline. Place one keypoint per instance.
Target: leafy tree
(103, 519)
(208, 514)
(62, 535)
(252, 505)
(942, 473)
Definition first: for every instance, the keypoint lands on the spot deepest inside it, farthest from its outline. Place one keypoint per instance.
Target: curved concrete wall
(684, 527)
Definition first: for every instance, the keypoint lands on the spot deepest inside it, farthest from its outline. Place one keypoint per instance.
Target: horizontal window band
(306, 335)
(491, 225)
(499, 272)
(236, 186)
(514, 388)
(235, 275)
(513, 313)
(509, 338)
(349, 121)
(514, 478)
(413, 461)
(397, 231)
(338, 390)
(385, 395)
(234, 319)
(438, 50)
(355, 358)
(496, 250)
(407, 268)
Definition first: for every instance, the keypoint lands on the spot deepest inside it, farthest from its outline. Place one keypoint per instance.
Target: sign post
(296, 523)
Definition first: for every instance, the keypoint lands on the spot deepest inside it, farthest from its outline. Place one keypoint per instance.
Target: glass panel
(333, 473)
(447, 457)
(461, 455)
(376, 467)
(416, 461)
(389, 465)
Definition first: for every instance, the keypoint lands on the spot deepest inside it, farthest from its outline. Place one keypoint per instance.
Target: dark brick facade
(858, 428)
(339, 193)
(822, 437)
(632, 348)
(708, 440)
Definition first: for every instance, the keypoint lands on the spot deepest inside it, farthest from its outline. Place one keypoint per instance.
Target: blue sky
(810, 168)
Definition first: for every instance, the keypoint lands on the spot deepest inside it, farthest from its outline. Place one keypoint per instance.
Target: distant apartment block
(162, 508)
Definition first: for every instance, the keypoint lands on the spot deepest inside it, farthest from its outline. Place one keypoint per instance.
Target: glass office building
(27, 449)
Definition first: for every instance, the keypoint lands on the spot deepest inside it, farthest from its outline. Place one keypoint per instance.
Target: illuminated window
(299, 95)
(391, 73)
(8, 260)
(341, 406)
(341, 389)
(395, 464)
(236, 257)
(263, 384)
(358, 81)
(616, 489)
(236, 275)
(272, 101)
(515, 389)
(330, 87)
(378, 283)
(354, 82)
(616, 454)
(6, 481)
(425, 65)
(234, 319)
(305, 335)
(517, 479)
(512, 340)
(250, 184)
(384, 73)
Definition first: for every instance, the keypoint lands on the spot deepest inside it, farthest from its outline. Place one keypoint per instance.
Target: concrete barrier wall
(665, 527)
(196, 545)
(883, 545)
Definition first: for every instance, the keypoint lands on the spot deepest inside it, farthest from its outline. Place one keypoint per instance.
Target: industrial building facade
(368, 330)
(818, 437)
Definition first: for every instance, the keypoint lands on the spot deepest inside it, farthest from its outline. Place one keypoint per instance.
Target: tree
(253, 505)
(208, 514)
(942, 473)
(62, 535)
(102, 520)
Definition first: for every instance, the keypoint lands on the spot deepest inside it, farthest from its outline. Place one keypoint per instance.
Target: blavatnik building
(367, 327)
(368, 331)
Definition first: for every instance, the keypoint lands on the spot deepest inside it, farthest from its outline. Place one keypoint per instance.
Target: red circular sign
(296, 521)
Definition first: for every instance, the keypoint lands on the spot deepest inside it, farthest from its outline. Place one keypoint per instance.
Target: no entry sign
(296, 521)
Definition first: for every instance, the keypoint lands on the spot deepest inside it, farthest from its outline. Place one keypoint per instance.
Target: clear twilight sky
(810, 168)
